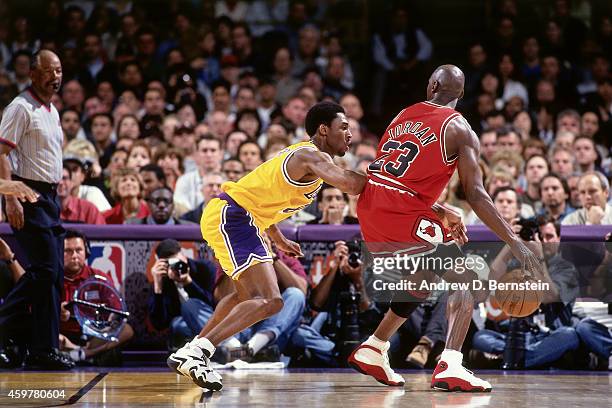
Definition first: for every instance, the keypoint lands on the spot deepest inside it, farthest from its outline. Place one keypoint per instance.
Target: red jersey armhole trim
(443, 138)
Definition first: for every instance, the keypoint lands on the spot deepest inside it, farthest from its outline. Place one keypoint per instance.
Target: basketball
(517, 302)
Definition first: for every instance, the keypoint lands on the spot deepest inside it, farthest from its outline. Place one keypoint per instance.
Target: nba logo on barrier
(109, 257)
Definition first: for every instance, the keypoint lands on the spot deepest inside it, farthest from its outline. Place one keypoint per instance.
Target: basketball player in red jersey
(421, 149)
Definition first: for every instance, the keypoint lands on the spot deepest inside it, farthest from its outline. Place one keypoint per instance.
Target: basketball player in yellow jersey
(233, 224)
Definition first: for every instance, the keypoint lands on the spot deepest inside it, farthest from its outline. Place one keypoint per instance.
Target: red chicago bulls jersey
(411, 156)
(406, 179)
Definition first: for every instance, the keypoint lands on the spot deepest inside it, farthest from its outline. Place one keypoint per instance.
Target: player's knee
(273, 305)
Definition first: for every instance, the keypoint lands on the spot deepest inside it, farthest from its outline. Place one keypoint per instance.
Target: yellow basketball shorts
(233, 236)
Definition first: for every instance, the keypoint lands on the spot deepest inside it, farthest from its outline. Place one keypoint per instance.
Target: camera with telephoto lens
(354, 253)
(516, 344)
(349, 322)
(178, 266)
(529, 228)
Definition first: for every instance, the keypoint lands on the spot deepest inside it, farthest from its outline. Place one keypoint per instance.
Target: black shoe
(10, 356)
(50, 360)
(268, 354)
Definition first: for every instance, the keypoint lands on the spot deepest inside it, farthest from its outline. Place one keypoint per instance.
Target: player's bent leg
(450, 375)
(371, 357)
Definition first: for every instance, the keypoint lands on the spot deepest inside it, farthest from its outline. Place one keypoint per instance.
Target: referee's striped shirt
(33, 130)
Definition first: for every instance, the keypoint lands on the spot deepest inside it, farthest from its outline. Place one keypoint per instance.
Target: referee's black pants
(39, 290)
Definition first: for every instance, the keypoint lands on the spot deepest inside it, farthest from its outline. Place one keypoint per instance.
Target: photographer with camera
(340, 294)
(182, 297)
(72, 341)
(534, 342)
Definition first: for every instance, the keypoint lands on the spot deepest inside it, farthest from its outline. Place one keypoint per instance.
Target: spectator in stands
(74, 209)
(535, 168)
(71, 125)
(589, 124)
(232, 141)
(523, 122)
(572, 183)
(585, 153)
(332, 204)
(247, 120)
(562, 162)
(509, 139)
(139, 155)
(232, 169)
(555, 195)
(569, 120)
(189, 186)
(101, 132)
(161, 208)
(79, 169)
(152, 177)
(250, 154)
(533, 147)
(21, 70)
(171, 161)
(295, 111)
(73, 95)
(594, 189)
(507, 203)
(128, 126)
(182, 296)
(76, 271)
(211, 187)
(126, 189)
(488, 144)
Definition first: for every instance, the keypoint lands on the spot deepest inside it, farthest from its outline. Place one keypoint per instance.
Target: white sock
(204, 344)
(376, 342)
(259, 341)
(232, 342)
(452, 357)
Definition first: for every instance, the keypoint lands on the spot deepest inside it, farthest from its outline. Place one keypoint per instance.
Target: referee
(31, 152)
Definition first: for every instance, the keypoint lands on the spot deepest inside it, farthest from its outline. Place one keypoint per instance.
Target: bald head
(43, 57)
(446, 85)
(46, 74)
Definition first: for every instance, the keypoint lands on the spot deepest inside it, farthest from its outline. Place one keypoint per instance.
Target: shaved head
(446, 85)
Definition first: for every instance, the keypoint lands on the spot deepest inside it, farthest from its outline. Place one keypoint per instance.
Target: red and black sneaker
(455, 377)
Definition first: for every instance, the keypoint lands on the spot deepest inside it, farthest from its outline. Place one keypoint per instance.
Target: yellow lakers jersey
(268, 192)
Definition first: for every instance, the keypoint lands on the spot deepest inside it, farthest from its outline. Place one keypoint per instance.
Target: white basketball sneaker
(371, 358)
(193, 361)
(450, 375)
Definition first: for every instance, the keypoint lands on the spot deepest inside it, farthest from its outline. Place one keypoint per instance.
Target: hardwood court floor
(338, 388)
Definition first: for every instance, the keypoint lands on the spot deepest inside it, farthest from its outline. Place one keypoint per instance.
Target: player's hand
(14, 212)
(531, 265)
(64, 313)
(453, 221)
(289, 247)
(19, 190)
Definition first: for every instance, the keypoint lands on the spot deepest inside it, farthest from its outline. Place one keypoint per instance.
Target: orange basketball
(517, 302)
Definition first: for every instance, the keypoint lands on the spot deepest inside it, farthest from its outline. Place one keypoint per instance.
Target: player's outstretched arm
(467, 146)
(321, 165)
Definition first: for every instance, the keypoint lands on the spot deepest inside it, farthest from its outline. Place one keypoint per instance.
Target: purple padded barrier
(475, 233)
(304, 233)
(141, 232)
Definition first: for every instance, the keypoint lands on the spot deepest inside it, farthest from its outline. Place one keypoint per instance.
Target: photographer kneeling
(549, 338)
(182, 297)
